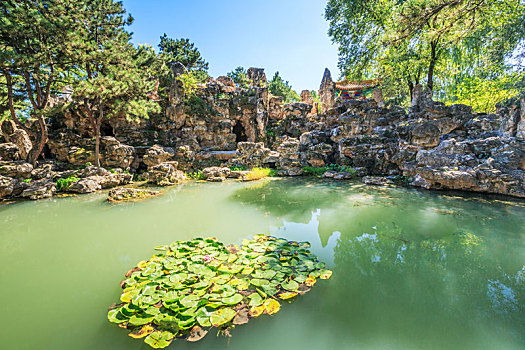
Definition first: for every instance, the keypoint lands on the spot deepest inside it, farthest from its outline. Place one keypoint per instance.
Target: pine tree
(116, 79)
(279, 87)
(36, 37)
(185, 52)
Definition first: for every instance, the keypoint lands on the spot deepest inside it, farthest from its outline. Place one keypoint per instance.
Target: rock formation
(431, 145)
(327, 92)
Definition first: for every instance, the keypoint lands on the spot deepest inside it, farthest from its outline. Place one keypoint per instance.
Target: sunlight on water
(412, 269)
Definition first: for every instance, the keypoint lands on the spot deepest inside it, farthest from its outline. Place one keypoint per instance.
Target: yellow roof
(356, 85)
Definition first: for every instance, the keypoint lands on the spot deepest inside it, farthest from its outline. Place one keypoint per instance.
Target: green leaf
(222, 316)
(233, 300)
(255, 299)
(115, 316)
(325, 274)
(203, 317)
(140, 320)
(290, 285)
(259, 282)
(159, 340)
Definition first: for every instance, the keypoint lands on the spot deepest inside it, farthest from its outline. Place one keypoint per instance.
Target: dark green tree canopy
(185, 52)
(240, 77)
(279, 87)
(114, 79)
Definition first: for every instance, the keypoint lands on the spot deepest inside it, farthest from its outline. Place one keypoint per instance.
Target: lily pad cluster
(193, 286)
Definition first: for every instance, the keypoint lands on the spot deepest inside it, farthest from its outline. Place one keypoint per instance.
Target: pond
(412, 269)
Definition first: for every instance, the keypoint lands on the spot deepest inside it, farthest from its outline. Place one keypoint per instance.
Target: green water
(412, 269)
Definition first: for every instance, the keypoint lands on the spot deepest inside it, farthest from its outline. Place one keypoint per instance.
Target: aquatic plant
(196, 285)
(63, 184)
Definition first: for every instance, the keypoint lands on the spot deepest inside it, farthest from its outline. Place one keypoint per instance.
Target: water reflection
(413, 267)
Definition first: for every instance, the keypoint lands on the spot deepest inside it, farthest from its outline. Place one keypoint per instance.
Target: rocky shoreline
(223, 127)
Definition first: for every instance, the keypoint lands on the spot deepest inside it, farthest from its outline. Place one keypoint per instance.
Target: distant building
(355, 90)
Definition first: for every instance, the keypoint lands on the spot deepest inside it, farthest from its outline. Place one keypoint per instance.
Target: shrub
(238, 168)
(319, 171)
(196, 175)
(64, 184)
(197, 106)
(189, 82)
(314, 171)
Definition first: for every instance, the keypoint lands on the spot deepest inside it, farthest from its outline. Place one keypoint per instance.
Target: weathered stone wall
(436, 146)
(432, 145)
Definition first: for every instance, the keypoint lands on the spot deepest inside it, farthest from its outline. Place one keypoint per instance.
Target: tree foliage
(47, 45)
(114, 79)
(436, 42)
(37, 38)
(278, 87)
(185, 52)
(240, 77)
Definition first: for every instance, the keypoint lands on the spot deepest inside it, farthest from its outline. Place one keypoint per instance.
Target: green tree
(185, 52)
(278, 87)
(36, 40)
(116, 80)
(240, 77)
(416, 41)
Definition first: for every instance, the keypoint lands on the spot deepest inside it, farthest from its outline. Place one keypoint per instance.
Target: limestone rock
(214, 173)
(17, 170)
(426, 134)
(376, 180)
(17, 136)
(327, 92)
(257, 77)
(94, 171)
(116, 154)
(123, 194)
(156, 155)
(44, 171)
(9, 152)
(40, 189)
(165, 174)
(86, 185)
(238, 174)
(6, 186)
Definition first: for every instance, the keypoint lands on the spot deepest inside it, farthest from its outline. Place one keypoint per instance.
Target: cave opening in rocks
(240, 132)
(46, 152)
(106, 130)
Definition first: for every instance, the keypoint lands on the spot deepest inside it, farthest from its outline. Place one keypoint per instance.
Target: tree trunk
(97, 133)
(432, 66)
(41, 140)
(97, 145)
(410, 88)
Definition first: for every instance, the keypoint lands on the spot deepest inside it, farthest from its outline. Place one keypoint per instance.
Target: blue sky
(289, 36)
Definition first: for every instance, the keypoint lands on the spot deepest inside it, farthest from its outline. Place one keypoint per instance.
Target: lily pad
(325, 274)
(139, 321)
(290, 285)
(222, 316)
(233, 300)
(190, 286)
(141, 333)
(271, 306)
(159, 340)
